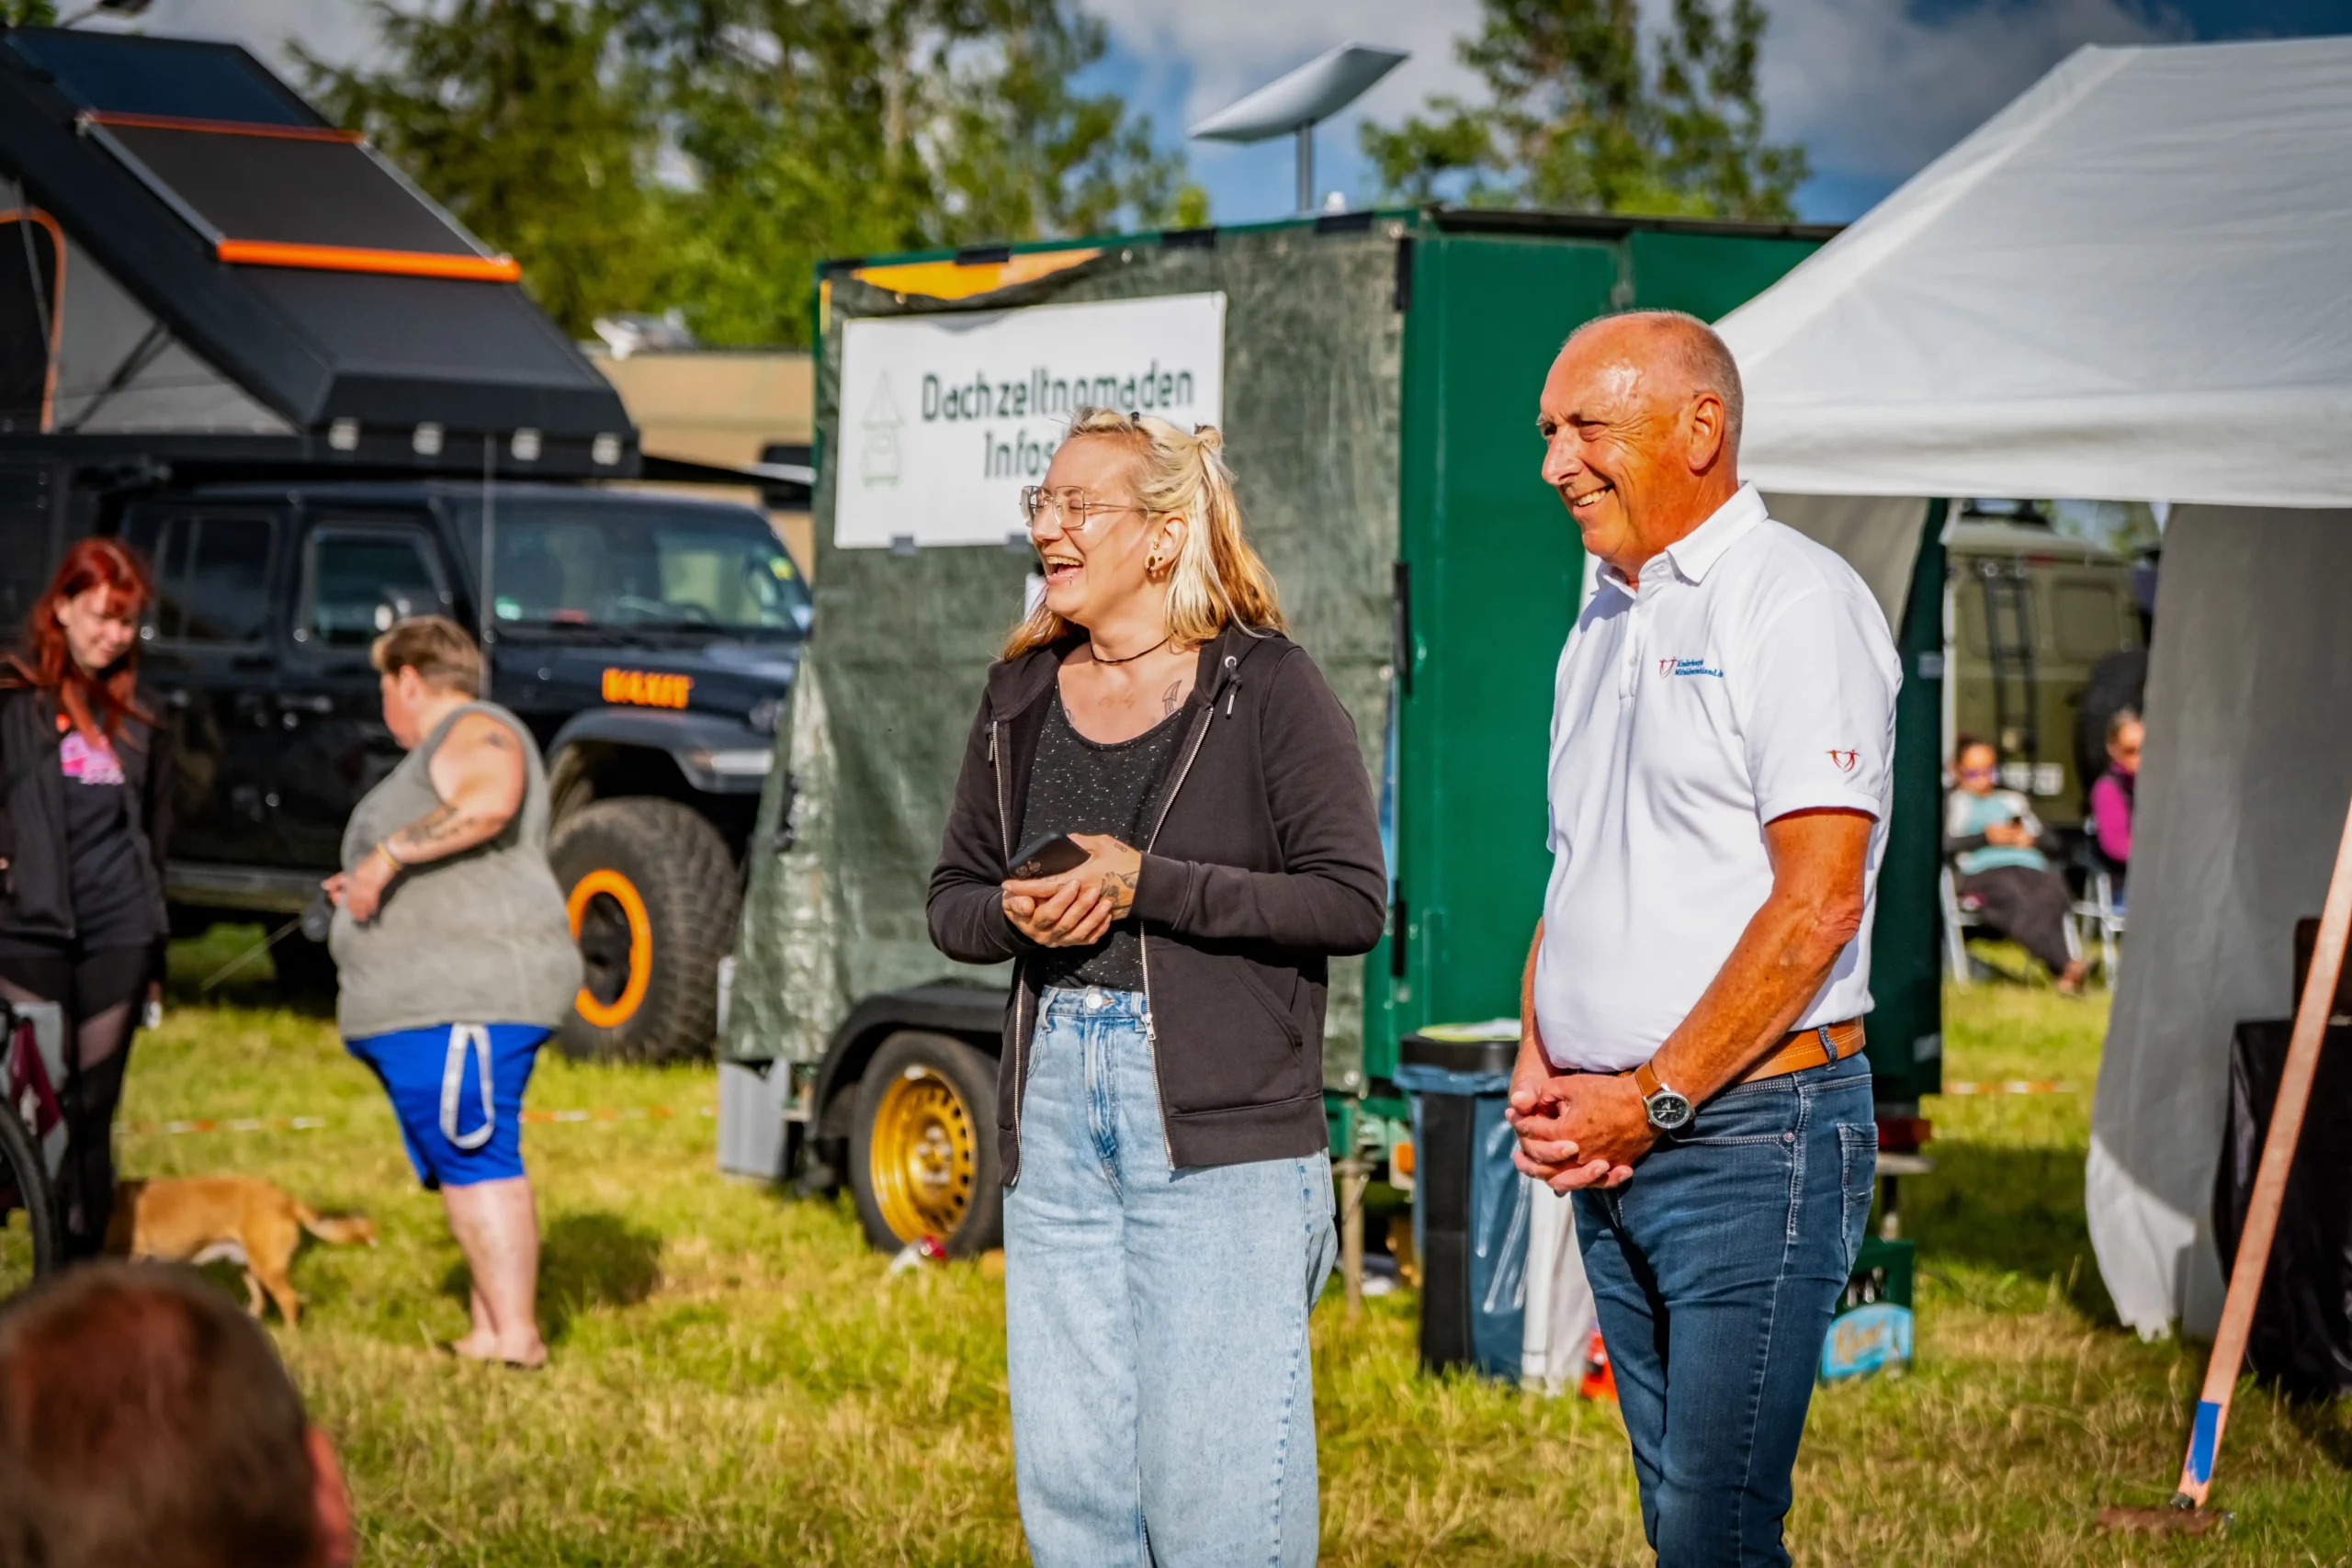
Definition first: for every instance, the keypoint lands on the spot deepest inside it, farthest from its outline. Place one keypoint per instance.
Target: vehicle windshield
(632, 567)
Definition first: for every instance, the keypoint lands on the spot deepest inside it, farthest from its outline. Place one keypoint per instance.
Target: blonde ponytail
(1218, 578)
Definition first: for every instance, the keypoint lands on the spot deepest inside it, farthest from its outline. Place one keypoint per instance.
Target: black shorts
(83, 983)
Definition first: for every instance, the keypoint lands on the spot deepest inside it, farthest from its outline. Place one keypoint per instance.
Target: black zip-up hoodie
(1264, 863)
(36, 897)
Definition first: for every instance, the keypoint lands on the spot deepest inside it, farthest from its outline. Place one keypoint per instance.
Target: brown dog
(208, 1219)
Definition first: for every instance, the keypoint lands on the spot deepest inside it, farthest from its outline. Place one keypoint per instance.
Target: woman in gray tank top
(456, 961)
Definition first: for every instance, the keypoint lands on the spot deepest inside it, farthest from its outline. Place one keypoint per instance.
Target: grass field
(737, 1379)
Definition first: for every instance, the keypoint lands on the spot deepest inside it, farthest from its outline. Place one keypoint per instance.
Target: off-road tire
(939, 1066)
(658, 912)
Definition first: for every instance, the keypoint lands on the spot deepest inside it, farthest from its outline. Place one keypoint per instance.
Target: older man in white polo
(1721, 740)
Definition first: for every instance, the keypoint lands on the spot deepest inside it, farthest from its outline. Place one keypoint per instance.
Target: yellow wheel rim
(923, 1157)
(607, 883)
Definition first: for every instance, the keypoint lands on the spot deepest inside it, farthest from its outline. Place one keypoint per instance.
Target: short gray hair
(1700, 353)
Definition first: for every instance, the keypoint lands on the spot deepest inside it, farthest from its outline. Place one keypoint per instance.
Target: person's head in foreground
(2124, 734)
(1140, 539)
(144, 1419)
(1640, 418)
(427, 665)
(1976, 766)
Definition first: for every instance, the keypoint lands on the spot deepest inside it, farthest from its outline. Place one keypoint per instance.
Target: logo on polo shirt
(1688, 667)
(1845, 762)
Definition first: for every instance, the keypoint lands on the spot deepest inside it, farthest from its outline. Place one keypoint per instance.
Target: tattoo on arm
(1171, 698)
(431, 827)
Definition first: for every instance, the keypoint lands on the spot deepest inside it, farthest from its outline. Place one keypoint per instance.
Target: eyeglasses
(1980, 772)
(1068, 506)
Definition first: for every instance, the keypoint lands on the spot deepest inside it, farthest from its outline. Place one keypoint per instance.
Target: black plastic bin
(1470, 1205)
(2301, 1338)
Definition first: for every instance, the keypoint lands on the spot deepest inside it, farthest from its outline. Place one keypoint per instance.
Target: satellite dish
(1296, 103)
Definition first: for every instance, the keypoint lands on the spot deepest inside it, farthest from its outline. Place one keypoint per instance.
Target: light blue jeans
(1163, 1403)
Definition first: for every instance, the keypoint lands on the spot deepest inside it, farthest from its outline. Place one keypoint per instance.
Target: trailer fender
(972, 1013)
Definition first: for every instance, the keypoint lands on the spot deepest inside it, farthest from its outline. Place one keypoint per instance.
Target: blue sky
(1872, 88)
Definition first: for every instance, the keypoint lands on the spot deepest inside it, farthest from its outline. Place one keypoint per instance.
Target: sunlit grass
(737, 1379)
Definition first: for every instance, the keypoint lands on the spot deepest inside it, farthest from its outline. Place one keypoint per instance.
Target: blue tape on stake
(2200, 1441)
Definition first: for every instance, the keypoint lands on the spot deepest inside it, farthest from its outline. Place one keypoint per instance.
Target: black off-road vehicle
(647, 641)
(233, 336)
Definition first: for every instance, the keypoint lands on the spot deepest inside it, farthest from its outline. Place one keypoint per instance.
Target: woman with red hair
(84, 787)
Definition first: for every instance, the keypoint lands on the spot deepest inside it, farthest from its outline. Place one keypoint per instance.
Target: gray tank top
(481, 937)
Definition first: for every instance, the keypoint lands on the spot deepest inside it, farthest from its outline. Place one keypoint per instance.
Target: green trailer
(1375, 375)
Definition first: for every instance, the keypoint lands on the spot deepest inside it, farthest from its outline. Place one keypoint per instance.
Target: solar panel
(246, 164)
(177, 77)
(324, 188)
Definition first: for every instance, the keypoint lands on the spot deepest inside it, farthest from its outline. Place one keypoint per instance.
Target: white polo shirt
(1749, 675)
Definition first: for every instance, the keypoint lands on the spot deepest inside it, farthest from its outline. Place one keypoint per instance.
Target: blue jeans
(1714, 1271)
(1163, 1403)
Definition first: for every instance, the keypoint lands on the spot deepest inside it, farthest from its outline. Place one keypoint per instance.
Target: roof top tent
(1375, 375)
(201, 270)
(199, 276)
(2163, 319)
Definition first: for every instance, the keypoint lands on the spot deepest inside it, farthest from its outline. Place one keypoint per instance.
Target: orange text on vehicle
(643, 688)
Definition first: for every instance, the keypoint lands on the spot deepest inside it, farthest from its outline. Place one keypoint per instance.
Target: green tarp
(902, 642)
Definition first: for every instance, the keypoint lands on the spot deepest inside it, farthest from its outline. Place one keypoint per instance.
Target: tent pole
(2187, 1509)
(32, 278)
(489, 535)
(1307, 167)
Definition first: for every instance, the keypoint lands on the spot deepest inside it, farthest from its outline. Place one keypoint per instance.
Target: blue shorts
(457, 1091)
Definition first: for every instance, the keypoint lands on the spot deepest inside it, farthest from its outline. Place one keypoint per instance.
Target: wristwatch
(1669, 1111)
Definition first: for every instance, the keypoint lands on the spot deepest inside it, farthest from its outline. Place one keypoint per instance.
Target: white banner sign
(944, 418)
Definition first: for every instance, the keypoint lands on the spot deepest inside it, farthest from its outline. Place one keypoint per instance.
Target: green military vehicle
(1376, 374)
(2030, 615)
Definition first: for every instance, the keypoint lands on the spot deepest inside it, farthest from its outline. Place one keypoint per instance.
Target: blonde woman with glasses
(1168, 1217)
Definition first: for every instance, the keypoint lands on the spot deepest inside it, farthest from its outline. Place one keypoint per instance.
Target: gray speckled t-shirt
(1077, 785)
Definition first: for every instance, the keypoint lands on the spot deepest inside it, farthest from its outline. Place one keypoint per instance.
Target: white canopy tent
(2134, 282)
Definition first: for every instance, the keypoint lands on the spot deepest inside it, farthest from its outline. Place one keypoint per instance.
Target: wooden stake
(1355, 1175)
(2269, 1183)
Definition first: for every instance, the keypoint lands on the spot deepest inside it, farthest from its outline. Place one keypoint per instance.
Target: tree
(528, 121)
(704, 154)
(1586, 113)
(827, 128)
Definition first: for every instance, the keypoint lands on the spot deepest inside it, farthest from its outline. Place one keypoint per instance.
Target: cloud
(1874, 90)
(336, 31)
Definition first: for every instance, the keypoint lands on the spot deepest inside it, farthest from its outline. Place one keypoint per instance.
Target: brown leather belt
(1809, 1048)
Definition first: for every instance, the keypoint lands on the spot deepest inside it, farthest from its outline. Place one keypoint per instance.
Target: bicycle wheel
(29, 1231)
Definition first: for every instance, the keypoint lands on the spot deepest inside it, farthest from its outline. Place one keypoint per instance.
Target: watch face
(1669, 1112)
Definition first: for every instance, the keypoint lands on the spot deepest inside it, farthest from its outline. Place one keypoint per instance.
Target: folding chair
(1959, 918)
(2097, 911)
(1961, 914)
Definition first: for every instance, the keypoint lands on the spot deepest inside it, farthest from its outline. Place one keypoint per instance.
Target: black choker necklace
(1131, 658)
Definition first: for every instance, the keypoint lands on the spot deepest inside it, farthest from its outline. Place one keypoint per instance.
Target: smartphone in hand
(1049, 855)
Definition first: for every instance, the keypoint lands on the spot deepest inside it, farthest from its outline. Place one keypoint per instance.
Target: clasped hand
(1076, 909)
(1577, 1129)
